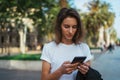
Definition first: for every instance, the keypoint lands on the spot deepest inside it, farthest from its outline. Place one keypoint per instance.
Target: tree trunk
(22, 44)
(107, 38)
(101, 41)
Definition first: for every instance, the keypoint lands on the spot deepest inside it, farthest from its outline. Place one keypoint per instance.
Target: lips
(69, 36)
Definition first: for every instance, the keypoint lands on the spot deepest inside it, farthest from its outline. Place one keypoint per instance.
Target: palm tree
(96, 20)
(108, 21)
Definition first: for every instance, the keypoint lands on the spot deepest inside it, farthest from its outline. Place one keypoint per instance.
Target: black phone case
(79, 59)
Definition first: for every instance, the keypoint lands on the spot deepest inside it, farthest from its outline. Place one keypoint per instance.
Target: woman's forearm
(53, 76)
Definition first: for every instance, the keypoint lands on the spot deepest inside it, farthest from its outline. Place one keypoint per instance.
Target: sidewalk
(108, 64)
(28, 65)
(25, 65)
(6, 74)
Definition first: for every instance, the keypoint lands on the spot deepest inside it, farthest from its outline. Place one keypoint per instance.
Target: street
(108, 64)
(19, 75)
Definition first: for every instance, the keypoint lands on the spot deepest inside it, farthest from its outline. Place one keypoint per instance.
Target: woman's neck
(67, 42)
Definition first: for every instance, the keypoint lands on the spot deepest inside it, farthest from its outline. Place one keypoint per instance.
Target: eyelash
(75, 27)
(66, 26)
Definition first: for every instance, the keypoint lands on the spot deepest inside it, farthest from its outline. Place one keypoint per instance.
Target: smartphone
(79, 59)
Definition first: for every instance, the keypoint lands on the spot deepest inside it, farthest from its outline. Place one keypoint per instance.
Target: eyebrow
(69, 25)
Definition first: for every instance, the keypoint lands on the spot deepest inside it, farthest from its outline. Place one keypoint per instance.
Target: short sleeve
(86, 51)
(45, 54)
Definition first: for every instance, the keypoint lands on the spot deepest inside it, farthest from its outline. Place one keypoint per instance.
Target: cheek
(64, 30)
(75, 31)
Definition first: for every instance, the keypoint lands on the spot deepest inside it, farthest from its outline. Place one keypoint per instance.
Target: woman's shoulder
(85, 48)
(83, 44)
(50, 44)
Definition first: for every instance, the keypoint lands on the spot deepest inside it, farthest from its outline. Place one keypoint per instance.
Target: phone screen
(79, 59)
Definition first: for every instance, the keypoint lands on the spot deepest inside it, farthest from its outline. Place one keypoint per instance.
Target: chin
(69, 39)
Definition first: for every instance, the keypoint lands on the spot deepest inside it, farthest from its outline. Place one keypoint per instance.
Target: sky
(115, 7)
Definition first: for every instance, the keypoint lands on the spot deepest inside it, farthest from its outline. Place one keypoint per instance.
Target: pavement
(6, 74)
(107, 63)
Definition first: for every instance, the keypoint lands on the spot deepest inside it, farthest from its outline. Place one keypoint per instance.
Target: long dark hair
(64, 13)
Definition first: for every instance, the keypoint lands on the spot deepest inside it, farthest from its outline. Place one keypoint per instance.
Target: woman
(58, 55)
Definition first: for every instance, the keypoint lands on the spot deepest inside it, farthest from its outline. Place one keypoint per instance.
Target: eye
(66, 26)
(74, 27)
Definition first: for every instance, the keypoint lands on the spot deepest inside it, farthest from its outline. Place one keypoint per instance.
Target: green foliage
(41, 12)
(113, 34)
(22, 57)
(98, 16)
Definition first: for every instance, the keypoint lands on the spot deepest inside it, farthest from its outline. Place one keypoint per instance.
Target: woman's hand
(84, 67)
(67, 67)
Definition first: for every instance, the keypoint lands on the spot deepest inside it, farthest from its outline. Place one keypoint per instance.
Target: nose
(70, 30)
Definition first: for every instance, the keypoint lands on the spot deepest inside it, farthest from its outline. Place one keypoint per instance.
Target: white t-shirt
(57, 54)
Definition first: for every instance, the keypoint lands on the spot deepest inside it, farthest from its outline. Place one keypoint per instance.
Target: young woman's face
(69, 28)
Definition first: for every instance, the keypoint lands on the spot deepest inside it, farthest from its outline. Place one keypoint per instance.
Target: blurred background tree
(97, 21)
(31, 16)
(28, 16)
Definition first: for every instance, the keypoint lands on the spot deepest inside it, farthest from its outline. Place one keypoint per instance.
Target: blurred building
(10, 40)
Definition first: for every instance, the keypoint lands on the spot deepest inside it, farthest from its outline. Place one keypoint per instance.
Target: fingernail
(78, 66)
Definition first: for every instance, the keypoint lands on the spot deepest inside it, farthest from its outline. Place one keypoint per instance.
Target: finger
(66, 62)
(83, 70)
(84, 67)
(86, 64)
(74, 65)
(69, 70)
(67, 65)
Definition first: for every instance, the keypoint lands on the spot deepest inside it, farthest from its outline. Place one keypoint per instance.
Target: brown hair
(64, 13)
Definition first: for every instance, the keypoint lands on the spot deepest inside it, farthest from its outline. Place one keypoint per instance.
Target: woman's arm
(45, 75)
(65, 68)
